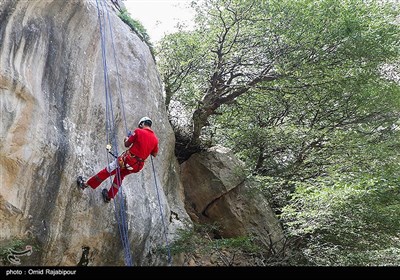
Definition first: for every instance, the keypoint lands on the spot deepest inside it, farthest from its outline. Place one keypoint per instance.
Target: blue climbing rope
(111, 129)
(118, 78)
(123, 225)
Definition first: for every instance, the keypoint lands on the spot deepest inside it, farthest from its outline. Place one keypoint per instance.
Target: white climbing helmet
(146, 120)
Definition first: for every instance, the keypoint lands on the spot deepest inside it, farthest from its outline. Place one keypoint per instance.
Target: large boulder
(216, 192)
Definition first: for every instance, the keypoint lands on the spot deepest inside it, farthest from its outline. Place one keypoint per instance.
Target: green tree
(264, 47)
(307, 94)
(299, 136)
(346, 220)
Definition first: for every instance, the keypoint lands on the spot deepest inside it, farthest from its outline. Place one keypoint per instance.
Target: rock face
(54, 79)
(216, 193)
(53, 118)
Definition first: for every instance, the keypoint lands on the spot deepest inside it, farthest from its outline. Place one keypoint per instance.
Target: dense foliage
(300, 91)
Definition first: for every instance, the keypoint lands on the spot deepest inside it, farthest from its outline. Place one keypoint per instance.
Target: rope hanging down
(161, 213)
(111, 127)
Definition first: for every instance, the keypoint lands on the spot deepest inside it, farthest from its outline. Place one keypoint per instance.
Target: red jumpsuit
(143, 143)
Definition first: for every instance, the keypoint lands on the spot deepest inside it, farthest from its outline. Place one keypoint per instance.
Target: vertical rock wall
(52, 95)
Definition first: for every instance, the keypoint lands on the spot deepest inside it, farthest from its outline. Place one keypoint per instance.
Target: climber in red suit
(141, 144)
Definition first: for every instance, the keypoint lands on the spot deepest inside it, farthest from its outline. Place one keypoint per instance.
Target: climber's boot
(104, 193)
(81, 183)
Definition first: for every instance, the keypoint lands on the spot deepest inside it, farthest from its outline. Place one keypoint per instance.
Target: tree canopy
(293, 47)
(307, 94)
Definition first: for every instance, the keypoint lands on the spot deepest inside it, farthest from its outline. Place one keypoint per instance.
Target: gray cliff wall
(53, 128)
